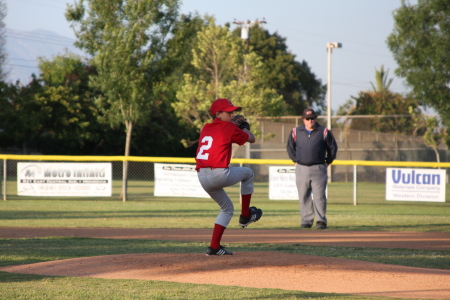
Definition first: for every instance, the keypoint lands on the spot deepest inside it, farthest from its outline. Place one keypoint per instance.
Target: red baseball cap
(223, 105)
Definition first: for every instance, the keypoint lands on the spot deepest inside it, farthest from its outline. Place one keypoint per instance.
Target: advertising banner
(177, 180)
(64, 179)
(415, 185)
(282, 183)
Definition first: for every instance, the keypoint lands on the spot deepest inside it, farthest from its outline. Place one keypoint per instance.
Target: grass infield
(169, 212)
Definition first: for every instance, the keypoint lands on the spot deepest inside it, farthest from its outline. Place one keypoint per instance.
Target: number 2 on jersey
(207, 141)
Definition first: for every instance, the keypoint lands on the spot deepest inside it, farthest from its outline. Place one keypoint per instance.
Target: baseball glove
(241, 122)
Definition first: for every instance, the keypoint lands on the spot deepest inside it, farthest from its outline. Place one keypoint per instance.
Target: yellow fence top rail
(235, 160)
(97, 158)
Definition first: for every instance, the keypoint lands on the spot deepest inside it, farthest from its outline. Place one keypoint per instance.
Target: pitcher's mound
(259, 270)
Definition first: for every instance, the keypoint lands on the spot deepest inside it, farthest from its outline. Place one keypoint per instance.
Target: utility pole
(245, 28)
(245, 35)
(245, 31)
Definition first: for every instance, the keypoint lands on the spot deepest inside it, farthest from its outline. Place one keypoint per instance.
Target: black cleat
(220, 251)
(255, 215)
(321, 225)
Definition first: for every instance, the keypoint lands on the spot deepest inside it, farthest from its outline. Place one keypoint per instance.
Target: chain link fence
(351, 181)
(358, 138)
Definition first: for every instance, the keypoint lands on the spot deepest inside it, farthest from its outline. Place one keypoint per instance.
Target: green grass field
(145, 211)
(142, 210)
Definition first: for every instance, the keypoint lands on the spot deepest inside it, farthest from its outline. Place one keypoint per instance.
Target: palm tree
(383, 83)
(381, 101)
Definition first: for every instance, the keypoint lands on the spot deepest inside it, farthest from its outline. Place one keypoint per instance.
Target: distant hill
(24, 47)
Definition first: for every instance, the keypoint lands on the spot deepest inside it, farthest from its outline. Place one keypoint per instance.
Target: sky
(361, 26)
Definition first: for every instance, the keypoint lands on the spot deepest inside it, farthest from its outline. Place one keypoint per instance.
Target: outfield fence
(352, 181)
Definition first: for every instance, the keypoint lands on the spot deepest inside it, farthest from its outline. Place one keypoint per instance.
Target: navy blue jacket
(318, 148)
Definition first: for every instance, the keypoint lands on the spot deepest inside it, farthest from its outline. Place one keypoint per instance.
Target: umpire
(312, 148)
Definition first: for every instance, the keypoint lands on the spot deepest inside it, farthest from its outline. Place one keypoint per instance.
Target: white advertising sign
(282, 183)
(64, 179)
(177, 180)
(415, 185)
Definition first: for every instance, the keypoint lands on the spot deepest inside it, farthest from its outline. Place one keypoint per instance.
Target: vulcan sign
(415, 185)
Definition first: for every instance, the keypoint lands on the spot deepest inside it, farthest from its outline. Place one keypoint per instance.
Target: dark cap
(223, 105)
(309, 113)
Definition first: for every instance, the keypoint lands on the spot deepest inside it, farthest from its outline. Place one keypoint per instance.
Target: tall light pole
(330, 47)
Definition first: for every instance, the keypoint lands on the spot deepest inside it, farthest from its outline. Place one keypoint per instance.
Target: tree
(420, 43)
(53, 114)
(71, 125)
(3, 55)
(66, 69)
(291, 79)
(179, 50)
(382, 81)
(433, 135)
(126, 40)
(21, 117)
(381, 101)
(224, 70)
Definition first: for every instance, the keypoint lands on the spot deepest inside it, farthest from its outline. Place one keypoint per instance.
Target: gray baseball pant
(312, 179)
(215, 180)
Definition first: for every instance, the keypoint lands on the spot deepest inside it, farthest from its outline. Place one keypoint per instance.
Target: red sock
(217, 236)
(245, 205)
